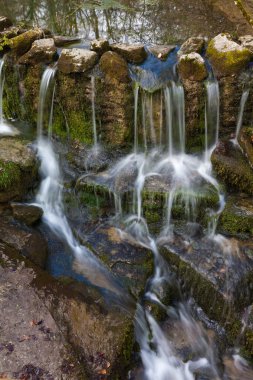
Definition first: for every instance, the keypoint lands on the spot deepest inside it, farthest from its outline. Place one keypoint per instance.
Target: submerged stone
(132, 53)
(192, 45)
(22, 43)
(76, 60)
(226, 56)
(161, 51)
(28, 214)
(192, 67)
(42, 51)
(100, 46)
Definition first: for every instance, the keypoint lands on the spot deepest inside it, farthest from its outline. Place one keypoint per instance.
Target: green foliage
(9, 175)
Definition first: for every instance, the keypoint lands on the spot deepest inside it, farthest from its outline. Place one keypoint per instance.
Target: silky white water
(243, 101)
(5, 128)
(49, 197)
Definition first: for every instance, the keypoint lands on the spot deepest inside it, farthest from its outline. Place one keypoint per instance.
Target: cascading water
(49, 196)
(243, 101)
(5, 128)
(212, 117)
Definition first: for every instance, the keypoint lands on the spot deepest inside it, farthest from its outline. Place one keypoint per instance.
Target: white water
(243, 101)
(49, 197)
(5, 128)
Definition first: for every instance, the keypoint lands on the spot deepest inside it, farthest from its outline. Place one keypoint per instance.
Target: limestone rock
(29, 214)
(18, 169)
(226, 56)
(63, 40)
(76, 60)
(23, 42)
(192, 45)
(132, 53)
(162, 51)
(192, 66)
(114, 67)
(247, 42)
(100, 46)
(42, 51)
(27, 241)
(4, 23)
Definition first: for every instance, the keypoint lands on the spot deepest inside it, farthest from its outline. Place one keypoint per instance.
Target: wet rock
(114, 67)
(100, 332)
(18, 169)
(194, 230)
(42, 51)
(192, 45)
(162, 51)
(233, 169)
(247, 42)
(76, 60)
(20, 44)
(132, 53)
(192, 67)
(237, 217)
(32, 343)
(62, 40)
(27, 242)
(246, 142)
(5, 22)
(214, 269)
(100, 46)
(131, 262)
(28, 214)
(115, 99)
(226, 56)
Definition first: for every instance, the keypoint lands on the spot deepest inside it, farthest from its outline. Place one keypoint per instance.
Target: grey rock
(247, 42)
(192, 45)
(162, 51)
(132, 53)
(29, 214)
(63, 40)
(192, 66)
(42, 51)
(76, 60)
(100, 46)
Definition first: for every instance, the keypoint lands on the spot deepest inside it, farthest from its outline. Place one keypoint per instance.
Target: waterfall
(136, 98)
(212, 117)
(94, 124)
(5, 128)
(243, 101)
(46, 82)
(169, 126)
(49, 198)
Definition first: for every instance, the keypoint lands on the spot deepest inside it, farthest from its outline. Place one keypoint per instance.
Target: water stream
(243, 101)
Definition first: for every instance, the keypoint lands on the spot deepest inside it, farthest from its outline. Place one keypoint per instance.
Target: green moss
(235, 221)
(9, 175)
(229, 62)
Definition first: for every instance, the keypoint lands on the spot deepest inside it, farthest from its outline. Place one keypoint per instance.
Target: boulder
(226, 56)
(28, 214)
(18, 168)
(237, 217)
(232, 168)
(76, 60)
(247, 42)
(5, 22)
(22, 43)
(100, 46)
(42, 51)
(114, 67)
(192, 45)
(161, 51)
(63, 40)
(245, 140)
(132, 53)
(26, 241)
(192, 66)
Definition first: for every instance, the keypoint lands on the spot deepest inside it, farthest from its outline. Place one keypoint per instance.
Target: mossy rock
(233, 169)
(226, 56)
(20, 44)
(245, 140)
(237, 217)
(192, 66)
